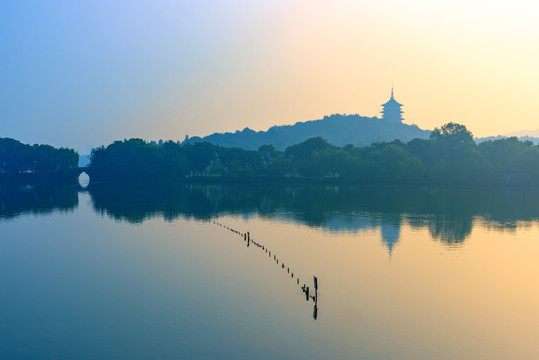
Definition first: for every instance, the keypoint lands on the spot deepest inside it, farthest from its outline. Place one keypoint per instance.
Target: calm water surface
(132, 272)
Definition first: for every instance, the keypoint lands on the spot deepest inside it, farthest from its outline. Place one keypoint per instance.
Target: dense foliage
(18, 158)
(449, 156)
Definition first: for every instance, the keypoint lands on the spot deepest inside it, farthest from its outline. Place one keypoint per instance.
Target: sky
(82, 74)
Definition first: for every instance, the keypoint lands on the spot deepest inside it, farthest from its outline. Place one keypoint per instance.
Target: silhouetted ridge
(337, 129)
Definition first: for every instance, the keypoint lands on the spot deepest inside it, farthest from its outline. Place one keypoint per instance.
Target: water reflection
(72, 277)
(447, 213)
(390, 229)
(246, 237)
(450, 229)
(42, 199)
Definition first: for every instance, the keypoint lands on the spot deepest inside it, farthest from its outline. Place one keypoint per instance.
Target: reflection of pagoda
(392, 110)
(390, 229)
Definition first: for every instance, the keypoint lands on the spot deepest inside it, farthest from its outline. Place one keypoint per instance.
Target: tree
(306, 149)
(200, 155)
(452, 133)
(452, 143)
(504, 154)
(16, 157)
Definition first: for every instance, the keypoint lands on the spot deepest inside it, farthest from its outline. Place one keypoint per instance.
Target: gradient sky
(84, 73)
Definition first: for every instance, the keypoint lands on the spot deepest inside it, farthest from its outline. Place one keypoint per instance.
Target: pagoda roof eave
(392, 102)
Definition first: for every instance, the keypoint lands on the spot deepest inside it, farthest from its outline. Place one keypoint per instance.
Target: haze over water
(135, 272)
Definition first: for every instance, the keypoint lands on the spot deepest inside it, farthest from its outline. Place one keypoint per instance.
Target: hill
(337, 129)
(524, 133)
(534, 140)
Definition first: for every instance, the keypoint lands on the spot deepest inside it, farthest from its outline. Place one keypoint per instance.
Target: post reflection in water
(247, 238)
(404, 273)
(447, 214)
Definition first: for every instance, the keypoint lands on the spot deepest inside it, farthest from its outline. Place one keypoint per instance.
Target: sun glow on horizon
(104, 71)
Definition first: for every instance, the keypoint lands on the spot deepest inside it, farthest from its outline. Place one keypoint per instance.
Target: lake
(152, 272)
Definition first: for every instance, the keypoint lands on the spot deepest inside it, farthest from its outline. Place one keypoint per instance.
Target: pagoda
(392, 110)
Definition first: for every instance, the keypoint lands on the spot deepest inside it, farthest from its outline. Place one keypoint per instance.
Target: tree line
(449, 156)
(19, 158)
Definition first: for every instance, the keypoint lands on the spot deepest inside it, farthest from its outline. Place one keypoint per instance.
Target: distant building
(392, 110)
(513, 177)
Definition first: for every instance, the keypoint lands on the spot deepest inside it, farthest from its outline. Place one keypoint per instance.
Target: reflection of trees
(447, 213)
(35, 199)
(452, 230)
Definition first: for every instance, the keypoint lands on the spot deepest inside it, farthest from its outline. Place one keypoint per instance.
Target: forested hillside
(449, 156)
(337, 129)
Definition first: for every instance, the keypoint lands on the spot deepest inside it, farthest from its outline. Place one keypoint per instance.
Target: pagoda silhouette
(392, 110)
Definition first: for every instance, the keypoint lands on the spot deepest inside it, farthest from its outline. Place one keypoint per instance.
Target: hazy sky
(84, 73)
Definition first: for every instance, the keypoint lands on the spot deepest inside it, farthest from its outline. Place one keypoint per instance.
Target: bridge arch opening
(84, 179)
